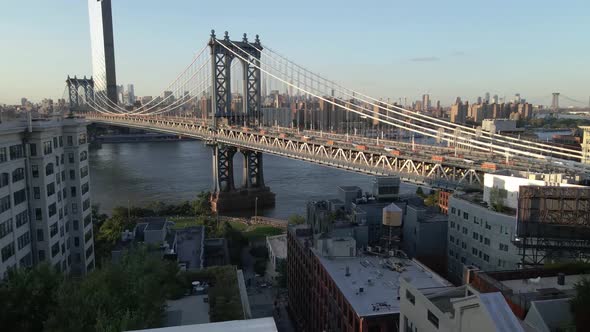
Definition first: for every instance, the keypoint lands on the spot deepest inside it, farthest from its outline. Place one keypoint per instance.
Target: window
(474, 251)
(463, 260)
(453, 210)
(52, 210)
(74, 208)
(452, 224)
(56, 160)
(36, 193)
(475, 235)
(49, 169)
(61, 141)
(486, 257)
(70, 141)
(64, 193)
(503, 247)
(89, 251)
(465, 231)
(4, 179)
(72, 174)
(75, 224)
(59, 195)
(486, 241)
(475, 220)
(5, 203)
(71, 157)
(53, 230)
(488, 226)
(86, 204)
(18, 174)
(465, 215)
(452, 239)
(5, 228)
(83, 172)
(76, 242)
(55, 142)
(39, 235)
(88, 236)
(410, 297)
(83, 155)
(54, 249)
(73, 191)
(47, 148)
(82, 138)
(38, 214)
(41, 255)
(33, 149)
(20, 197)
(50, 189)
(22, 218)
(463, 245)
(87, 220)
(63, 175)
(35, 171)
(23, 240)
(85, 188)
(7, 252)
(433, 319)
(16, 152)
(3, 157)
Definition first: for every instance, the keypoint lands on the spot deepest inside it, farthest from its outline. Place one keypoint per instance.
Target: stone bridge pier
(251, 195)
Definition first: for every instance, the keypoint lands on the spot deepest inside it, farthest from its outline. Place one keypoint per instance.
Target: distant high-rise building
(458, 112)
(555, 101)
(517, 98)
(425, 102)
(495, 99)
(479, 100)
(487, 97)
(23, 101)
(130, 94)
(458, 100)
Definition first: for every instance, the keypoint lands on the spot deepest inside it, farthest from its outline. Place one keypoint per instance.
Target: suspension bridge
(225, 95)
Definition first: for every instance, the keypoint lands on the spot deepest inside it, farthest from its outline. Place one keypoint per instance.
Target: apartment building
(45, 213)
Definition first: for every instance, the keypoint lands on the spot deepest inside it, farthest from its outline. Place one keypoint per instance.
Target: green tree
(202, 206)
(420, 192)
(296, 219)
(580, 305)
(27, 298)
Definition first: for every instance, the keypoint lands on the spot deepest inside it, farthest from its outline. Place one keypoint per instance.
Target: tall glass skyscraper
(103, 50)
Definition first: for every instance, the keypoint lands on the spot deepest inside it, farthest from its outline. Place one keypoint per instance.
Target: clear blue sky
(387, 48)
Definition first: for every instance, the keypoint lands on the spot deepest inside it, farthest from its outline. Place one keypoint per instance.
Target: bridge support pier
(252, 196)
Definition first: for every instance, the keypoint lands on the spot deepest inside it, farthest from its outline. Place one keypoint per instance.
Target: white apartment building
(45, 213)
(454, 309)
(482, 226)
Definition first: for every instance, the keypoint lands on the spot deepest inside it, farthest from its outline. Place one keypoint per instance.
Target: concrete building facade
(45, 196)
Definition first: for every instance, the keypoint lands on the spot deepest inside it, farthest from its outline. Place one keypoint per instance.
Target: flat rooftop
(532, 285)
(477, 198)
(380, 284)
(266, 324)
(190, 246)
(278, 245)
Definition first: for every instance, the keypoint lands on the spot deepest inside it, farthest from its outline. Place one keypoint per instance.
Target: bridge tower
(253, 194)
(78, 98)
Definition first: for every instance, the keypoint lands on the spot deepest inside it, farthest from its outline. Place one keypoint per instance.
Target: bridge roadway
(435, 166)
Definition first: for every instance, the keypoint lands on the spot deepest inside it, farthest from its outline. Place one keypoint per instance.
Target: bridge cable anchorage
(466, 142)
(426, 118)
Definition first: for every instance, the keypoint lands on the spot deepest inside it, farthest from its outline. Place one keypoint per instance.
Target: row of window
(24, 240)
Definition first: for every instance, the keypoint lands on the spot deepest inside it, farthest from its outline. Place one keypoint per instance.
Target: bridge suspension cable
(422, 130)
(498, 138)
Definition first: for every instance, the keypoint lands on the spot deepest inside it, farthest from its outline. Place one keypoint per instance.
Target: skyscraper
(103, 48)
(425, 102)
(487, 97)
(130, 94)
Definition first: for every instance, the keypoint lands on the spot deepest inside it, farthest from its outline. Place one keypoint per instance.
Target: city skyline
(519, 53)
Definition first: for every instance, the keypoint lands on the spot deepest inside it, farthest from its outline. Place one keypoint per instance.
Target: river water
(172, 172)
